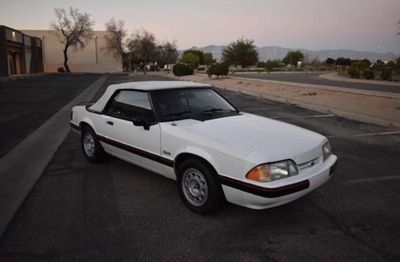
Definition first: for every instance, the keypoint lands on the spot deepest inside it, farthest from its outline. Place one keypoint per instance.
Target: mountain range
(277, 52)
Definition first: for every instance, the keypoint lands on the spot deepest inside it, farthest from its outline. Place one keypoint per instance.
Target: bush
(354, 73)
(182, 70)
(218, 69)
(369, 74)
(357, 68)
(386, 73)
(61, 69)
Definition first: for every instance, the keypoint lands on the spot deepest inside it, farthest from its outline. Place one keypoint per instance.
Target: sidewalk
(22, 166)
(335, 77)
(376, 108)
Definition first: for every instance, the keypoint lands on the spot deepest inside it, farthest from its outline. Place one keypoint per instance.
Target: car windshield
(196, 103)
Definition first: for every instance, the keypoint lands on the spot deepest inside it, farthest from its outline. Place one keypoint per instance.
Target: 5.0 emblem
(166, 153)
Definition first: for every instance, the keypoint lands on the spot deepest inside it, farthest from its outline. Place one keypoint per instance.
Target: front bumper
(260, 197)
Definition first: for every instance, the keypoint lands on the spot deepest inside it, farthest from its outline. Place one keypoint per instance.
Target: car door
(131, 129)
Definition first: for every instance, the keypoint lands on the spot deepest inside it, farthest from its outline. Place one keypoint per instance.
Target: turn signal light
(259, 173)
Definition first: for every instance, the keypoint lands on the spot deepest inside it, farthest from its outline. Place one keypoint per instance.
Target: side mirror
(141, 121)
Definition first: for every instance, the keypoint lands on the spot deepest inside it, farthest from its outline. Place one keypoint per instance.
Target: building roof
(143, 85)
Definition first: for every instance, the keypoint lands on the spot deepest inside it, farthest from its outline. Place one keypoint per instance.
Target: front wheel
(91, 147)
(198, 187)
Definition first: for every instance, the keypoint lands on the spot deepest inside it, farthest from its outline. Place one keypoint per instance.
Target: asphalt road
(313, 78)
(27, 103)
(117, 211)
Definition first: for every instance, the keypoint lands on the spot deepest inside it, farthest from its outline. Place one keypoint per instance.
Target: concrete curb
(336, 77)
(21, 167)
(330, 88)
(23, 76)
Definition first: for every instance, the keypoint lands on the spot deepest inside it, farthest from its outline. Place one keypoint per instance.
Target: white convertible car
(188, 132)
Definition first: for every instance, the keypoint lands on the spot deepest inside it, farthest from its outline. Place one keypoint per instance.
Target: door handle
(110, 123)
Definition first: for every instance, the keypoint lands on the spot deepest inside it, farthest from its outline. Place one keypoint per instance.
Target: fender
(197, 152)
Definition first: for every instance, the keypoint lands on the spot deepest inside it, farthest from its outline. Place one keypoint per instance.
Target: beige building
(93, 58)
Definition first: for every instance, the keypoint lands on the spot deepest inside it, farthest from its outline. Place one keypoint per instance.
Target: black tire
(199, 187)
(94, 153)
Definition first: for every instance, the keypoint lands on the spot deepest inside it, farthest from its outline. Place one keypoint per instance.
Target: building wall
(19, 53)
(93, 58)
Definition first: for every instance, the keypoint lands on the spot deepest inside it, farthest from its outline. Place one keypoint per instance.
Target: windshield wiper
(180, 113)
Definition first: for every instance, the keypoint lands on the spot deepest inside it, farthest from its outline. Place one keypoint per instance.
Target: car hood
(263, 139)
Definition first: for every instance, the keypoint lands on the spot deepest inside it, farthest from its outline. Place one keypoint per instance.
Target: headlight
(326, 150)
(273, 171)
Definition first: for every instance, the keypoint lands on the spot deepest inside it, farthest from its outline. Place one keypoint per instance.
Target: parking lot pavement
(27, 103)
(117, 211)
(313, 78)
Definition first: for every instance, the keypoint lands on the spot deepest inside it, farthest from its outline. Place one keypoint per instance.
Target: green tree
(208, 59)
(292, 57)
(243, 52)
(397, 63)
(366, 61)
(73, 29)
(330, 61)
(341, 61)
(192, 57)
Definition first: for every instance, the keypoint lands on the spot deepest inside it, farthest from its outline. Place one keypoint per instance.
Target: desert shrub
(357, 68)
(354, 73)
(369, 74)
(386, 73)
(360, 65)
(218, 69)
(182, 70)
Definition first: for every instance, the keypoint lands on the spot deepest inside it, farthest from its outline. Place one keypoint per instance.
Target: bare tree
(115, 39)
(169, 53)
(73, 28)
(143, 46)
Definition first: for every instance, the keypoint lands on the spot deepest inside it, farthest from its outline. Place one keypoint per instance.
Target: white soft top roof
(143, 85)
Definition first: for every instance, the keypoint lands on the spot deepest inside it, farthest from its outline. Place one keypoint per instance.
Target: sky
(365, 25)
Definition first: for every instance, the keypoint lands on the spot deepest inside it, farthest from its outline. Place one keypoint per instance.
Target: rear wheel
(91, 147)
(199, 187)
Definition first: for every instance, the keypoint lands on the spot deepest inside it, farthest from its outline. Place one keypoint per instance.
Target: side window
(131, 104)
